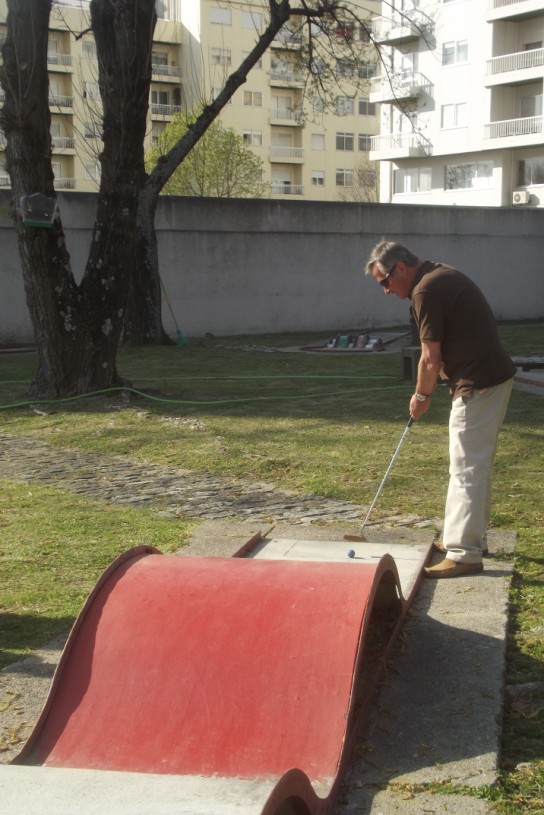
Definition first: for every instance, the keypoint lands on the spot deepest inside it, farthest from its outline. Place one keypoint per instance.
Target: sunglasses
(384, 282)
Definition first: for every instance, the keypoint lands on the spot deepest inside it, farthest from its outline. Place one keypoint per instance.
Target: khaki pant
(474, 429)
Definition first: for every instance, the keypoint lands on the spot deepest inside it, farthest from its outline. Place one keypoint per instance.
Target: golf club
(360, 538)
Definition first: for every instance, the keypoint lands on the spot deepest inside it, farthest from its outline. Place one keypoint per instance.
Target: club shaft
(384, 479)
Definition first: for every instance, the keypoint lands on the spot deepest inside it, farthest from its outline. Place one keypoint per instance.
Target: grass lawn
(325, 424)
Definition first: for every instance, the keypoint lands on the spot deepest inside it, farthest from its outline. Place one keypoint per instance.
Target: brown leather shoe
(452, 568)
(439, 546)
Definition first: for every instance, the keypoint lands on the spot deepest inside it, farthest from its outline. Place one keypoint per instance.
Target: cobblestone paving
(169, 490)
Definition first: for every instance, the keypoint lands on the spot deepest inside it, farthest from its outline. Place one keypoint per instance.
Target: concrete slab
(438, 714)
(54, 791)
(409, 558)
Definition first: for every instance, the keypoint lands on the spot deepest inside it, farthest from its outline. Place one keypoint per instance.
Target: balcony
(287, 39)
(398, 87)
(285, 116)
(166, 72)
(399, 27)
(165, 110)
(61, 102)
(399, 145)
(513, 9)
(285, 78)
(515, 69)
(59, 62)
(63, 143)
(286, 189)
(287, 154)
(64, 183)
(515, 132)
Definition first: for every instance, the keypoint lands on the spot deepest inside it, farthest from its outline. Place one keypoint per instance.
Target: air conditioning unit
(521, 197)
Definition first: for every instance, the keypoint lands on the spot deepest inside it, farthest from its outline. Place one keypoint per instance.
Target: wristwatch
(421, 397)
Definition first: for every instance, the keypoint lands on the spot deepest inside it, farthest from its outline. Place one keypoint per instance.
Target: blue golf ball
(351, 553)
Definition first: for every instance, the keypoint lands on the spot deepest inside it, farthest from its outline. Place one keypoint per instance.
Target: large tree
(78, 326)
(220, 165)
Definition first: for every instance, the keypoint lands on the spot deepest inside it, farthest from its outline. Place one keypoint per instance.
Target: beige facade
(461, 102)
(309, 149)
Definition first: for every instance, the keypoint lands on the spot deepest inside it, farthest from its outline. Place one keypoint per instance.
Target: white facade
(308, 150)
(461, 102)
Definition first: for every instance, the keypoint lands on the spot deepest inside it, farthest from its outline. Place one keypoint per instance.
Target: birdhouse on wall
(38, 210)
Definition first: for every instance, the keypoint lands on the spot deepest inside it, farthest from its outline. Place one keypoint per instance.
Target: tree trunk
(145, 301)
(54, 302)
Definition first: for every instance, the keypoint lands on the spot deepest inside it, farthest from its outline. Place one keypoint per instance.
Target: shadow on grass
(20, 633)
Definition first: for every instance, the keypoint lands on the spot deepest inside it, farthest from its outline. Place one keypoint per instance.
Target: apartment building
(309, 149)
(460, 95)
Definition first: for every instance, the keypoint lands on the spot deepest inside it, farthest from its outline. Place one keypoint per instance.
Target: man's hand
(417, 408)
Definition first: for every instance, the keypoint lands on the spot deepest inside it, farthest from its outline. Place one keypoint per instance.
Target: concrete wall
(247, 267)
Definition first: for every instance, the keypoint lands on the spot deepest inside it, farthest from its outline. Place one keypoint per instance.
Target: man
(459, 344)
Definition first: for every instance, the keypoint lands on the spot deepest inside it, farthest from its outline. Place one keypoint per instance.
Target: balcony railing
(401, 144)
(286, 38)
(165, 110)
(401, 85)
(166, 70)
(513, 127)
(286, 189)
(64, 183)
(5, 180)
(286, 152)
(63, 142)
(286, 76)
(59, 59)
(501, 3)
(287, 115)
(61, 101)
(399, 26)
(516, 62)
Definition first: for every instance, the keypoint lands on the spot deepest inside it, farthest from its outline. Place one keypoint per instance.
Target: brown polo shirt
(449, 308)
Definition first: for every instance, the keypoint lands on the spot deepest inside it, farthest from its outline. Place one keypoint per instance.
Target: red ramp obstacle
(230, 668)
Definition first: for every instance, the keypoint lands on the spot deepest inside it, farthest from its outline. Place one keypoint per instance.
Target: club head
(355, 538)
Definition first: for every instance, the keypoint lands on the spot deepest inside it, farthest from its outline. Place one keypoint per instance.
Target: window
(318, 67)
(318, 178)
(344, 105)
(253, 20)
(160, 98)
(368, 179)
(253, 137)
(92, 130)
(318, 141)
(530, 106)
(365, 142)
(318, 105)
(367, 70)
(221, 56)
(159, 58)
(88, 49)
(532, 46)
(92, 171)
(366, 108)
(345, 68)
(253, 99)
(476, 175)
(531, 171)
(220, 16)
(364, 33)
(344, 141)
(415, 179)
(344, 32)
(164, 12)
(454, 115)
(91, 90)
(455, 52)
(344, 178)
